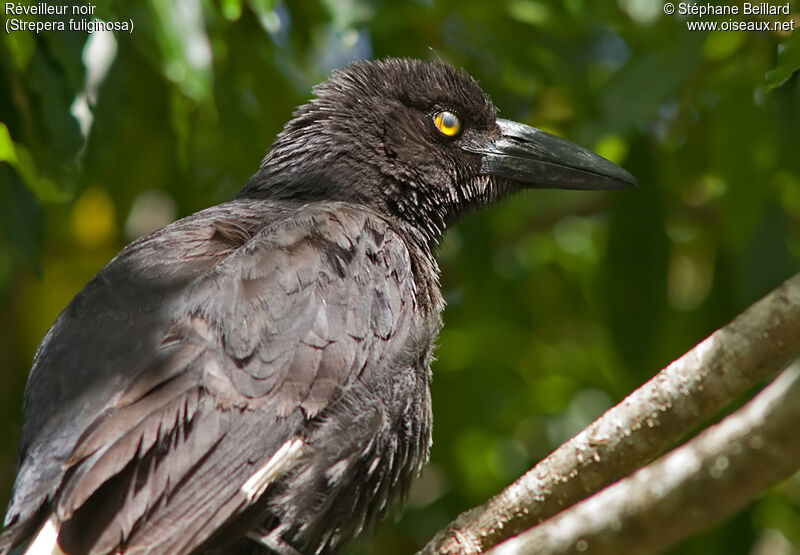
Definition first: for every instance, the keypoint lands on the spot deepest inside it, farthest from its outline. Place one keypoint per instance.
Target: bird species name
(43, 8)
(79, 23)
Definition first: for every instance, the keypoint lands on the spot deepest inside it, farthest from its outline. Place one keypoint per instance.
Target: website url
(732, 25)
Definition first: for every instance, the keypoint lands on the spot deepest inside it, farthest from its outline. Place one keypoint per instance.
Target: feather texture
(262, 331)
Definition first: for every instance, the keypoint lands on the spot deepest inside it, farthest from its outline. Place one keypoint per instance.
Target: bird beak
(540, 160)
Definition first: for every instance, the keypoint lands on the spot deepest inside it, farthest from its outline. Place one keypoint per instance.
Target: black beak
(540, 160)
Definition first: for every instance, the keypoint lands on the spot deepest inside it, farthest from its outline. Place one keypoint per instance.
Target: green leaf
(185, 48)
(265, 12)
(530, 12)
(719, 46)
(788, 62)
(349, 13)
(20, 158)
(231, 9)
(7, 151)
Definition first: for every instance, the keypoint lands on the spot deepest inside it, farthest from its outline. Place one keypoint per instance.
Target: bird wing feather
(197, 353)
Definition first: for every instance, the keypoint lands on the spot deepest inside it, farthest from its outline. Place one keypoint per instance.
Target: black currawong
(257, 373)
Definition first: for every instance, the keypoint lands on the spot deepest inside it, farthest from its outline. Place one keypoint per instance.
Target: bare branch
(757, 344)
(686, 491)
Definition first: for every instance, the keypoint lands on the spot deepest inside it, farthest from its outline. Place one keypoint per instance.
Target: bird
(255, 376)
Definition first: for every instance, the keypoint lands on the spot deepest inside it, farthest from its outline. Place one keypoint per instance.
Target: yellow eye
(448, 123)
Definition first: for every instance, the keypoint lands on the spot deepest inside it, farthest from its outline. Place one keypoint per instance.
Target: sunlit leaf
(7, 151)
(788, 62)
(231, 9)
(184, 45)
(612, 147)
(265, 12)
(529, 11)
(348, 13)
(719, 46)
(93, 219)
(19, 157)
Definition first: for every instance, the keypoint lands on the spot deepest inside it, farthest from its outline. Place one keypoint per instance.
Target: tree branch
(686, 491)
(757, 344)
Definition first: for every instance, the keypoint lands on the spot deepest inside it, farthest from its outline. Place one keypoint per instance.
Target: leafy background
(559, 303)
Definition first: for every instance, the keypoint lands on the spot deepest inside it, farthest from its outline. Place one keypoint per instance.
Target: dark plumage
(261, 367)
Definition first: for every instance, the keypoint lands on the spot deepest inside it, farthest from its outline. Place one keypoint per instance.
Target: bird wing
(193, 357)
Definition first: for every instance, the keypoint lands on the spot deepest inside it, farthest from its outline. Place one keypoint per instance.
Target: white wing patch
(275, 467)
(46, 540)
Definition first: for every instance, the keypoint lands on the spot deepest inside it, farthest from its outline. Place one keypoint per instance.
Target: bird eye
(448, 123)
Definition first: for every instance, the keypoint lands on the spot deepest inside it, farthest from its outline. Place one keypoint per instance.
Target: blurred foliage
(559, 303)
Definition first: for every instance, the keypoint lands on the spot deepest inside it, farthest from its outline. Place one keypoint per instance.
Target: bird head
(420, 143)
